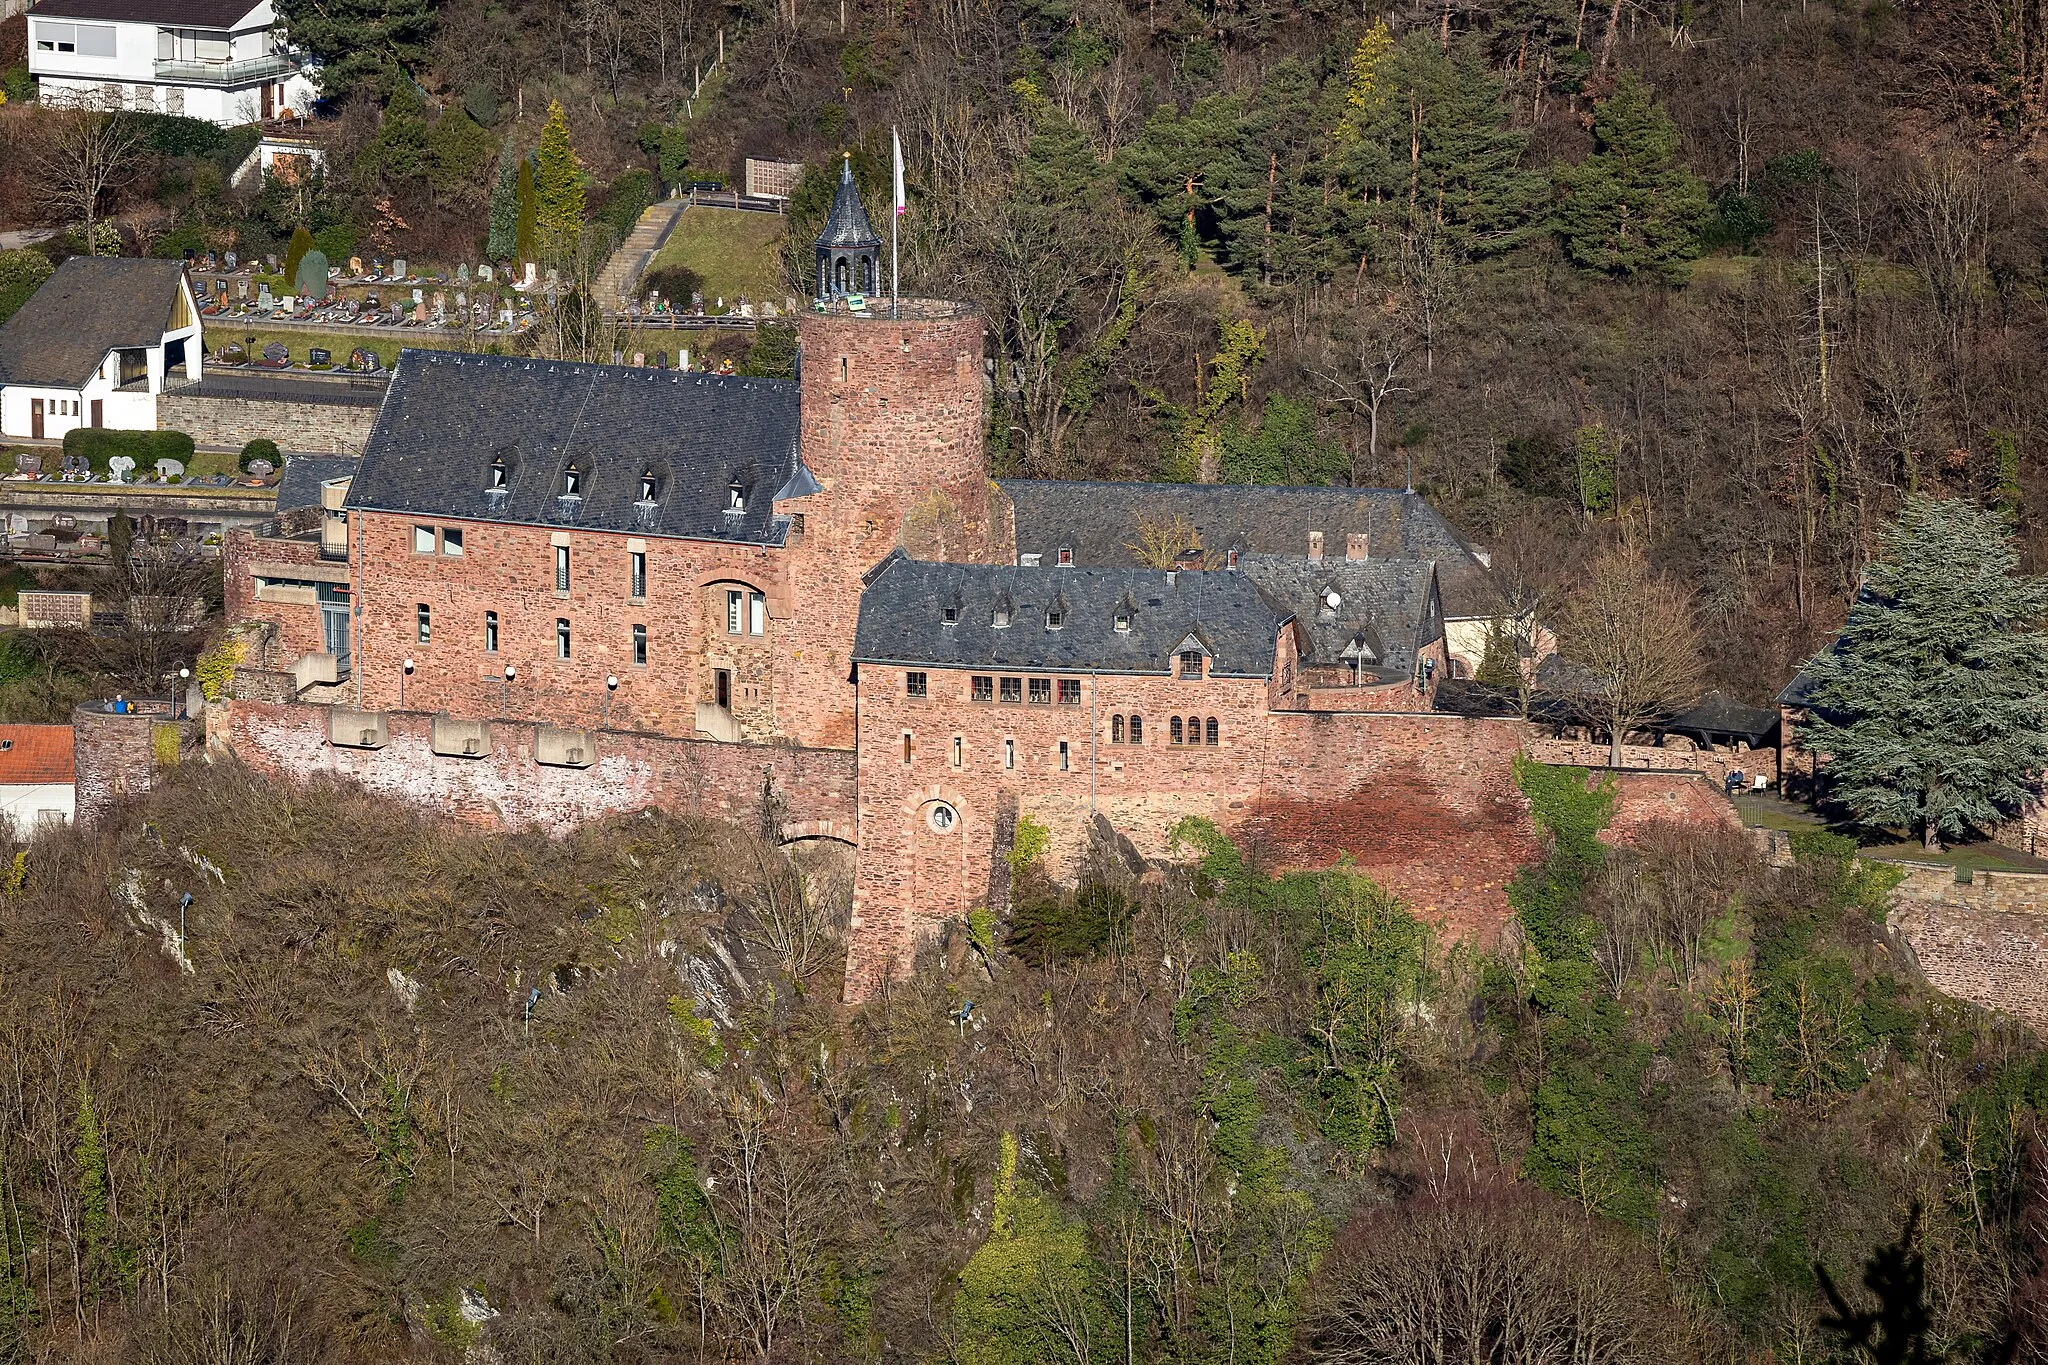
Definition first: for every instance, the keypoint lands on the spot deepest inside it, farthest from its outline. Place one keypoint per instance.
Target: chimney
(1354, 548)
(1315, 547)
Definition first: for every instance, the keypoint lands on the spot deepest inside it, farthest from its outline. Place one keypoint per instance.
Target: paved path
(9, 241)
(621, 274)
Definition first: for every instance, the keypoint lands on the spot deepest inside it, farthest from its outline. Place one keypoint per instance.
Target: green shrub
(1055, 928)
(24, 266)
(337, 242)
(626, 199)
(99, 445)
(261, 449)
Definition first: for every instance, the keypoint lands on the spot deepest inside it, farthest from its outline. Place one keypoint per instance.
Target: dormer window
(572, 481)
(1123, 622)
(1066, 556)
(735, 497)
(647, 485)
(1053, 617)
(500, 471)
(1001, 618)
(952, 616)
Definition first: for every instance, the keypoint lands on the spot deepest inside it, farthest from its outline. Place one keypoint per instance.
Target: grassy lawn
(734, 252)
(1763, 811)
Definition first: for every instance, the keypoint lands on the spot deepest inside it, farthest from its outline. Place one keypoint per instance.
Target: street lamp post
(407, 673)
(611, 685)
(505, 706)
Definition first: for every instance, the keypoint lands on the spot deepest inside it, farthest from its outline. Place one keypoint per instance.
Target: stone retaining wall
(303, 428)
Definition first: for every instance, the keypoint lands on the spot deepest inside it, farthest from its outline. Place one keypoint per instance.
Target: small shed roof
(34, 755)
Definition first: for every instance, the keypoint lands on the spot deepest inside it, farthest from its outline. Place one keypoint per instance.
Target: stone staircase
(621, 274)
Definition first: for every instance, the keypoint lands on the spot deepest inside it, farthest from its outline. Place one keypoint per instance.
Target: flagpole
(895, 213)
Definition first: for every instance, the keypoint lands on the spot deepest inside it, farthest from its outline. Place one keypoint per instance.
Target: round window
(941, 817)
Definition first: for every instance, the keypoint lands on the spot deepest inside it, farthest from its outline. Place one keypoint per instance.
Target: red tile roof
(31, 755)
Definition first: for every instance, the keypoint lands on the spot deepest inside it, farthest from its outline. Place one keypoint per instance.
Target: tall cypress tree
(1632, 206)
(557, 186)
(1930, 709)
(527, 230)
(505, 202)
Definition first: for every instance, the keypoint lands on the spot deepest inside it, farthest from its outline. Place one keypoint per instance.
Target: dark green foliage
(673, 152)
(373, 44)
(624, 201)
(1632, 207)
(772, 355)
(261, 449)
(336, 241)
(1738, 221)
(677, 283)
(1548, 897)
(401, 151)
(100, 444)
(526, 227)
(480, 102)
(1062, 927)
(505, 204)
(22, 272)
(1284, 448)
(1931, 708)
(301, 243)
(457, 147)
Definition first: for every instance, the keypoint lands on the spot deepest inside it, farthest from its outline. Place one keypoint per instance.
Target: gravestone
(355, 267)
(242, 287)
(697, 302)
(462, 274)
(270, 262)
(504, 317)
(233, 354)
(169, 469)
(419, 311)
(26, 463)
(119, 467)
(462, 298)
(398, 269)
(618, 356)
(440, 301)
(527, 283)
(276, 354)
(483, 272)
(230, 259)
(419, 296)
(319, 355)
(364, 360)
(640, 359)
(312, 276)
(261, 469)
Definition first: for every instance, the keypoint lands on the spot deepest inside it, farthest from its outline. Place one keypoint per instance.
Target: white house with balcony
(227, 61)
(95, 345)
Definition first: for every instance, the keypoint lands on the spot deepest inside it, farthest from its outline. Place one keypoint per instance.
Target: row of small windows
(1064, 754)
(564, 636)
(1012, 691)
(746, 613)
(1192, 730)
(573, 476)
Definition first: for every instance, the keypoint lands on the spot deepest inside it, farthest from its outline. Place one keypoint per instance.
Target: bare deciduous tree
(84, 148)
(1632, 633)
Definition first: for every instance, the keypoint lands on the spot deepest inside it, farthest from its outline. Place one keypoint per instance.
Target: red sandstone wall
(892, 428)
(633, 771)
(113, 759)
(511, 570)
(1664, 798)
(1985, 941)
(1425, 803)
(298, 627)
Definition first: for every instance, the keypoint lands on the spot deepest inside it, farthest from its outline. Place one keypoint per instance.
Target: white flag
(902, 203)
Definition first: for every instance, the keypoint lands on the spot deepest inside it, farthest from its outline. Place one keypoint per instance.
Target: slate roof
(303, 475)
(33, 755)
(848, 225)
(1717, 713)
(90, 306)
(175, 13)
(902, 618)
(1387, 609)
(1099, 522)
(447, 417)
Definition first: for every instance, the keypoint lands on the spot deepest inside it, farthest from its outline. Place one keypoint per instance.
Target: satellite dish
(120, 466)
(1332, 600)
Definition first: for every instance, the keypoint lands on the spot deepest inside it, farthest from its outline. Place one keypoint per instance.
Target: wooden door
(99, 412)
(35, 418)
(269, 100)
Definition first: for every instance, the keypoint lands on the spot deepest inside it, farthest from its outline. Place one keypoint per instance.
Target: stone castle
(550, 591)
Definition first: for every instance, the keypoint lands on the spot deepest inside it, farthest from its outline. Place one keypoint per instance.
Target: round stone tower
(891, 432)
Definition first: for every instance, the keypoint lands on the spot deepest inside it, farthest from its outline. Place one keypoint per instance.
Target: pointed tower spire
(849, 251)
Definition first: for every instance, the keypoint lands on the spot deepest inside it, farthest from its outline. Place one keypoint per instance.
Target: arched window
(1173, 731)
(1116, 729)
(842, 275)
(1137, 729)
(1209, 736)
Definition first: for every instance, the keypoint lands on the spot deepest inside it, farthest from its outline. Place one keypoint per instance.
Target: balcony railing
(227, 73)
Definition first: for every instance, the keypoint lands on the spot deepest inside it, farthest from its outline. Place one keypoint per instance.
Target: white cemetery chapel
(227, 61)
(95, 345)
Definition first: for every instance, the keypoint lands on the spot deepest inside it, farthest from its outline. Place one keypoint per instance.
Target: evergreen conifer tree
(557, 187)
(1929, 711)
(527, 230)
(505, 202)
(301, 243)
(362, 42)
(1632, 206)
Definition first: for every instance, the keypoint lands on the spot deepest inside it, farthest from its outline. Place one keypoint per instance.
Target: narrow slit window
(906, 746)
(490, 632)
(1009, 754)
(561, 638)
(561, 568)
(757, 614)
(1137, 729)
(735, 606)
(639, 574)
(640, 644)
(957, 746)
(1066, 761)
(1116, 729)
(426, 623)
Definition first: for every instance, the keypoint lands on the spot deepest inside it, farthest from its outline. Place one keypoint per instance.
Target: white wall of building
(122, 59)
(133, 410)
(24, 806)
